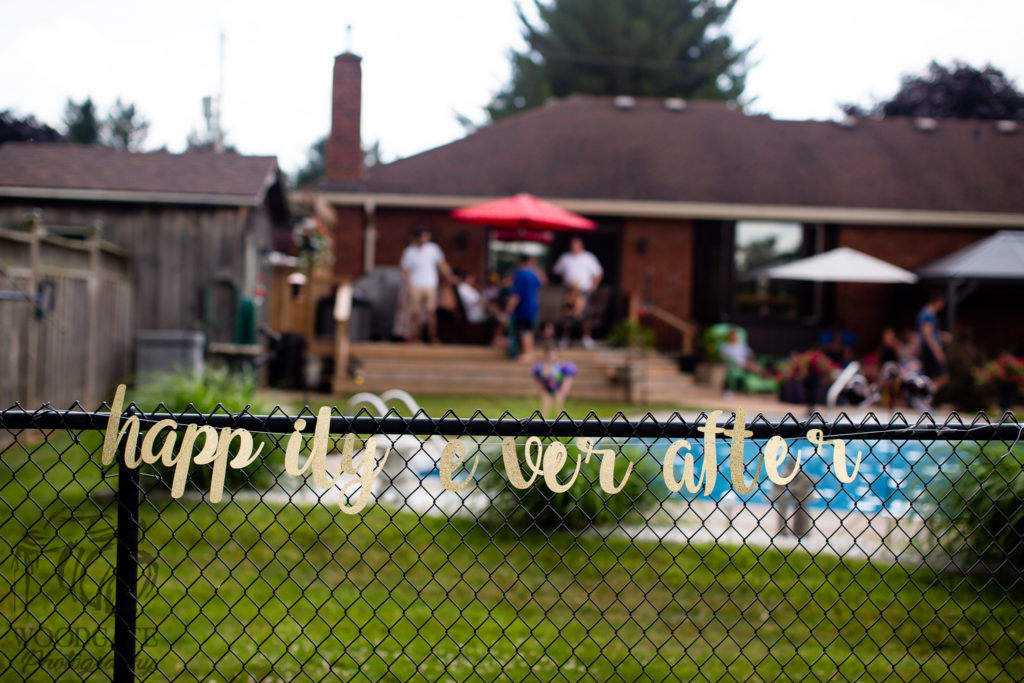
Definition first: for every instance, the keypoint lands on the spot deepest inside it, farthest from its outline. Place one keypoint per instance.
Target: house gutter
(131, 196)
(695, 210)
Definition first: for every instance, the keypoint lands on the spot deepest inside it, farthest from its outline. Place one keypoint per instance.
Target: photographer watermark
(66, 556)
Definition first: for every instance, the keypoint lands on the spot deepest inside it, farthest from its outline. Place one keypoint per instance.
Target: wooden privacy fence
(65, 317)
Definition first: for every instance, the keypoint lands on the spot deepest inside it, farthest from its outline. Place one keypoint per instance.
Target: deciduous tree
(14, 128)
(959, 91)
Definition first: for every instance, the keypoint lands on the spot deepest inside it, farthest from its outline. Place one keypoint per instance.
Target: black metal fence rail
(460, 569)
(924, 428)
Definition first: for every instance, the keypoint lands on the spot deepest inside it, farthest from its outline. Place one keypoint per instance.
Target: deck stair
(610, 374)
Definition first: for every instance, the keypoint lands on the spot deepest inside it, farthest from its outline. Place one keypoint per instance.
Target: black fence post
(127, 570)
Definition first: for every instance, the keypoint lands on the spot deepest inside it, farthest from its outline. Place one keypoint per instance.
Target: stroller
(852, 387)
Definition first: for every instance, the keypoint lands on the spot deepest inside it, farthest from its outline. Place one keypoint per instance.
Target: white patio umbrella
(999, 257)
(839, 265)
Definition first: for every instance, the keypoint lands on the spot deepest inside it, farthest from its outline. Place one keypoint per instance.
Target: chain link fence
(243, 547)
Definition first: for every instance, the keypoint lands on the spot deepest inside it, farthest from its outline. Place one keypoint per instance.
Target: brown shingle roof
(203, 174)
(586, 148)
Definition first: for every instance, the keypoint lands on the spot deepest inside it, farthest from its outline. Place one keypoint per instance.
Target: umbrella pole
(954, 295)
(950, 304)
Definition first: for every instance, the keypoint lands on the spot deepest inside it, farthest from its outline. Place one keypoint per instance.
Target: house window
(503, 255)
(758, 246)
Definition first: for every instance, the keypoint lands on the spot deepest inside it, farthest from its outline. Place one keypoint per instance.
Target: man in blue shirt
(524, 303)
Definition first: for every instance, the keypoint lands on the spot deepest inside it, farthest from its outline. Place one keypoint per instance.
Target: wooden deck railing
(687, 329)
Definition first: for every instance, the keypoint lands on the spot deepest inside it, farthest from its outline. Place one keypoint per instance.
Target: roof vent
(675, 104)
(848, 121)
(926, 124)
(1006, 126)
(624, 102)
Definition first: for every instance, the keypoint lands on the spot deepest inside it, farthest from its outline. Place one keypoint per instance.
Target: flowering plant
(806, 364)
(312, 244)
(1006, 368)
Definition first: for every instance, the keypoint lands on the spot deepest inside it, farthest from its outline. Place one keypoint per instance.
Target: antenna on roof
(675, 104)
(212, 109)
(1007, 126)
(848, 121)
(218, 132)
(348, 38)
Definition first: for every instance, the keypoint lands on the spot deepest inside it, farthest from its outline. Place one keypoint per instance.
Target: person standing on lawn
(524, 303)
(420, 264)
(581, 272)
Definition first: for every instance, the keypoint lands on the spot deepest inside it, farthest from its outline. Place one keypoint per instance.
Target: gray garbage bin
(169, 351)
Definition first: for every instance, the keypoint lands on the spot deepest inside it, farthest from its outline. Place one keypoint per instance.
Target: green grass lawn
(436, 405)
(253, 591)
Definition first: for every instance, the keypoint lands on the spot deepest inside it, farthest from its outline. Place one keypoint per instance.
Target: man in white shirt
(581, 271)
(420, 263)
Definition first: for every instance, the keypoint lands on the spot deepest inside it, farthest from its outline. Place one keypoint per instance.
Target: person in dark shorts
(933, 358)
(524, 303)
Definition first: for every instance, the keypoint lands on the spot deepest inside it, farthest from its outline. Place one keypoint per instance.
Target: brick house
(691, 198)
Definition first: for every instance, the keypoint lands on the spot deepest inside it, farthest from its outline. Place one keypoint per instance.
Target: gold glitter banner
(546, 462)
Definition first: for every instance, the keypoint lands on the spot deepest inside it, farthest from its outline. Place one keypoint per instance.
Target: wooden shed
(197, 227)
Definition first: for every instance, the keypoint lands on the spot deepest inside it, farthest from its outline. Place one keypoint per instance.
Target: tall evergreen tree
(316, 164)
(125, 128)
(316, 161)
(658, 48)
(83, 126)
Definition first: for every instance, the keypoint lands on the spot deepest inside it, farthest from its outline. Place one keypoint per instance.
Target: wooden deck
(609, 374)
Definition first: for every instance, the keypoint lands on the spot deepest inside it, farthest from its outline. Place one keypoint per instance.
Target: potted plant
(712, 369)
(1006, 375)
(312, 245)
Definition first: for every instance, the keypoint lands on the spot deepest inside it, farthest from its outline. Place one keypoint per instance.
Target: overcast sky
(423, 61)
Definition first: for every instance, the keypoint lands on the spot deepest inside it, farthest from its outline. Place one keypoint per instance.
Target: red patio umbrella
(524, 235)
(523, 211)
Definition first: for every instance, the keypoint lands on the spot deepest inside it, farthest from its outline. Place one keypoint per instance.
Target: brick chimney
(344, 147)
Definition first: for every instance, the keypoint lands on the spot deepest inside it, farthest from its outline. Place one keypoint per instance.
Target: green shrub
(223, 392)
(977, 510)
(963, 391)
(585, 504)
(177, 392)
(712, 339)
(630, 334)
